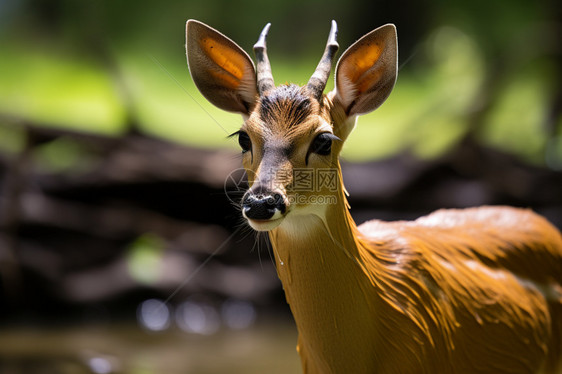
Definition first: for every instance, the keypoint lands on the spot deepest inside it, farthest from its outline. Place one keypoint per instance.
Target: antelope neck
(331, 297)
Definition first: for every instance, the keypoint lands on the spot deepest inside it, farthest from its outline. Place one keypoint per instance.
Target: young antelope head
(292, 136)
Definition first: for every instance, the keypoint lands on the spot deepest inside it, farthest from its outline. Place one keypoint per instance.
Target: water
(130, 349)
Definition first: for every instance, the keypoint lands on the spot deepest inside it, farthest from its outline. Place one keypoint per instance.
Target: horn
(264, 76)
(318, 81)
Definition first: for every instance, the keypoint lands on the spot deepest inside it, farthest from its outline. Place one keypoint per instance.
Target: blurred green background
(106, 147)
(488, 67)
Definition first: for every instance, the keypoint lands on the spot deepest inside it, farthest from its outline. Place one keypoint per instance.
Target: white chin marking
(265, 225)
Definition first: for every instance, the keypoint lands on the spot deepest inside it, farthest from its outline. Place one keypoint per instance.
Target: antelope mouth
(264, 224)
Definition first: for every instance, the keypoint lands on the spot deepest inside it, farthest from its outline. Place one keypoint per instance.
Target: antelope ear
(221, 70)
(366, 72)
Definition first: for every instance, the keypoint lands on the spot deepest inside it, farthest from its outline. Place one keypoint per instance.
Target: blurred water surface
(125, 348)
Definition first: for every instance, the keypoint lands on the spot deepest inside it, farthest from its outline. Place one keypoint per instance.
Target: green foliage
(11, 139)
(516, 123)
(100, 66)
(57, 88)
(64, 156)
(144, 259)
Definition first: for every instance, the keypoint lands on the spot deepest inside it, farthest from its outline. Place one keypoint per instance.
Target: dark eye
(244, 141)
(322, 144)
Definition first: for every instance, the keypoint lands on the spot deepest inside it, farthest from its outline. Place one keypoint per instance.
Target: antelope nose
(262, 207)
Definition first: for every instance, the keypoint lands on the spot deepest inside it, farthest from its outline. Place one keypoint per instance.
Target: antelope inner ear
(366, 72)
(221, 70)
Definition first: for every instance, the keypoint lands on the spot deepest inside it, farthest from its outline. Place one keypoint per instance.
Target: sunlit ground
(129, 349)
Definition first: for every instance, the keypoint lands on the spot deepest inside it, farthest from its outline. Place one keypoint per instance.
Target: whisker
(269, 249)
(201, 266)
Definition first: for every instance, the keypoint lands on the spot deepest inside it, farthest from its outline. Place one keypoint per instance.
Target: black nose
(262, 206)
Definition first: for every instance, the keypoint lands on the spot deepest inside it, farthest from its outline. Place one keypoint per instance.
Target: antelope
(474, 290)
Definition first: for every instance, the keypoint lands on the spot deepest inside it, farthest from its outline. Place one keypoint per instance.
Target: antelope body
(459, 291)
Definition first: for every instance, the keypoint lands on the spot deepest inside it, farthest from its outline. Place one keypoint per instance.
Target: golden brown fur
(491, 294)
(458, 291)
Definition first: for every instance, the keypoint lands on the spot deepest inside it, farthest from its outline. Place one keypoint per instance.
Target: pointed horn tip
(332, 42)
(260, 44)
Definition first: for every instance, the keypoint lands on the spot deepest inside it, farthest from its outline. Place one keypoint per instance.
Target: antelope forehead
(289, 105)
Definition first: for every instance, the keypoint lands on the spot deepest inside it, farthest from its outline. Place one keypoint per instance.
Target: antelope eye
(244, 141)
(322, 144)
